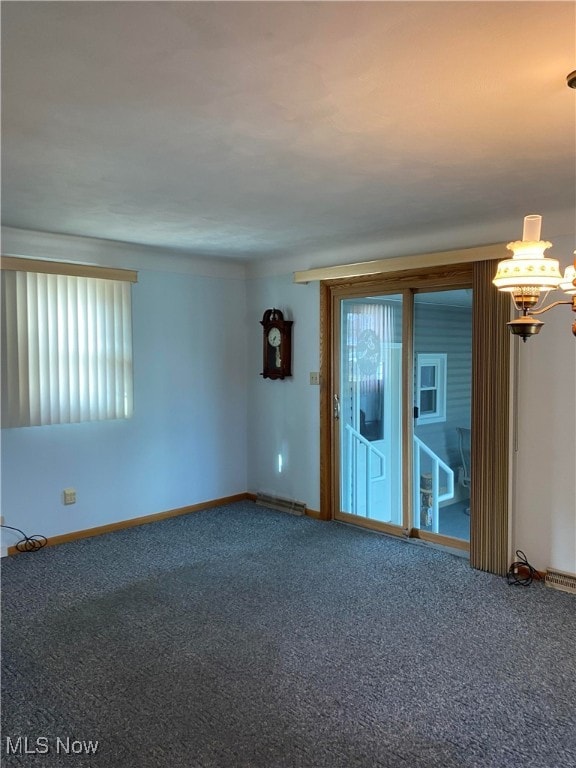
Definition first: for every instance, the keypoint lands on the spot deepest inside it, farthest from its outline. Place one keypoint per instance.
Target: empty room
(288, 365)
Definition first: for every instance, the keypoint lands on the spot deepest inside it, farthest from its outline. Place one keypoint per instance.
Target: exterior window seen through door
(431, 387)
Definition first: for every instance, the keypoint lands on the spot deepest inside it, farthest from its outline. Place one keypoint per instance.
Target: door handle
(336, 407)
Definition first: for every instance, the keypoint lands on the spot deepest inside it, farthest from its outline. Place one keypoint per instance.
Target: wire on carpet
(521, 573)
(28, 543)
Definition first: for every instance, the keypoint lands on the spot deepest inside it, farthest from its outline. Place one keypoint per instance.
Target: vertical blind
(66, 349)
(490, 429)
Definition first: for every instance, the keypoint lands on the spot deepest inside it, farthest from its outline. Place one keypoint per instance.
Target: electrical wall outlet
(69, 495)
(314, 377)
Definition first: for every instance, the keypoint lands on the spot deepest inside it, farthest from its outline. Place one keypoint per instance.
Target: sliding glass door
(401, 408)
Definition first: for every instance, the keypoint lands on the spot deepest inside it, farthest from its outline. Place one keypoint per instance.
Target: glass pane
(371, 408)
(428, 402)
(443, 328)
(428, 376)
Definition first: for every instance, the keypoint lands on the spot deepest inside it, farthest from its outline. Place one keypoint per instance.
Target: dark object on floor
(28, 543)
(521, 573)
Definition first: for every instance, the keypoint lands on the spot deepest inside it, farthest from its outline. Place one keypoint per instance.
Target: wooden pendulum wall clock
(277, 345)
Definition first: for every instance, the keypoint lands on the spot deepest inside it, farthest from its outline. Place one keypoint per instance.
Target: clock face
(274, 337)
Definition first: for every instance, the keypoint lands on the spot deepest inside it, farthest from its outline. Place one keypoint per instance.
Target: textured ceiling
(261, 130)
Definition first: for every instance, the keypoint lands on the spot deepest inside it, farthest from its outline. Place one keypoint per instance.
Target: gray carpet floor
(240, 636)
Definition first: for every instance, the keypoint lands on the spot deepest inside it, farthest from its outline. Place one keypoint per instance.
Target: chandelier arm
(545, 309)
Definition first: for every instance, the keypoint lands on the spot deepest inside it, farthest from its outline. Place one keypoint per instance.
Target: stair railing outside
(436, 497)
(355, 440)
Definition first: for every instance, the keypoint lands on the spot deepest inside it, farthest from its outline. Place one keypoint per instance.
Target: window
(66, 343)
(431, 387)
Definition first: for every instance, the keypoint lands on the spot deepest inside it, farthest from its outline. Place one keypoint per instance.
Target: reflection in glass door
(370, 425)
(442, 398)
(386, 441)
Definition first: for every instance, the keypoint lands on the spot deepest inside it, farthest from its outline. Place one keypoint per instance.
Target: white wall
(284, 415)
(186, 442)
(544, 515)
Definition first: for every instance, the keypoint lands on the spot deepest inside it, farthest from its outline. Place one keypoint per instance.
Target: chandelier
(529, 276)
